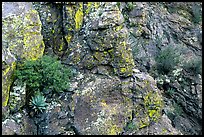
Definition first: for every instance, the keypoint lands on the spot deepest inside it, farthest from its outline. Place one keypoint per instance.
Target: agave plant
(38, 103)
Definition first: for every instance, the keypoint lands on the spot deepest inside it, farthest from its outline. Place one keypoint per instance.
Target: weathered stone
(10, 127)
(105, 110)
(148, 101)
(22, 31)
(17, 97)
(107, 33)
(28, 126)
(8, 61)
(21, 36)
(163, 127)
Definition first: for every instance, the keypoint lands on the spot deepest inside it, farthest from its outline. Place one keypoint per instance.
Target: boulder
(99, 107)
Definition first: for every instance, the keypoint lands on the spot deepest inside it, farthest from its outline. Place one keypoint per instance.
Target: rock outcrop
(112, 48)
(21, 39)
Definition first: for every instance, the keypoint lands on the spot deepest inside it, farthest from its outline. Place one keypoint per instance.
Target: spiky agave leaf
(38, 102)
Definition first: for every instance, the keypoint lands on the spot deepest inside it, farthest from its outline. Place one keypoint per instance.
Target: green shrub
(193, 66)
(166, 60)
(196, 13)
(177, 109)
(46, 73)
(170, 91)
(130, 6)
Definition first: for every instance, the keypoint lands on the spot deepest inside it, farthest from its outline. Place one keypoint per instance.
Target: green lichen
(79, 17)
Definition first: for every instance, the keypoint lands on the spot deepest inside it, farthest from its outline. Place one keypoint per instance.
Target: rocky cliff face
(114, 48)
(21, 40)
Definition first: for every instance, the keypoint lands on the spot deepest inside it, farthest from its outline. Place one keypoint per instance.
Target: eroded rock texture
(21, 39)
(112, 47)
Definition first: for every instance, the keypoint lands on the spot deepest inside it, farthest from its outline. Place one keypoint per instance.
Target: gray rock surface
(116, 89)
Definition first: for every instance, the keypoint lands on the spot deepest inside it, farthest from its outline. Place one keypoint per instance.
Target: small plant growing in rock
(170, 91)
(166, 60)
(196, 13)
(43, 74)
(193, 66)
(37, 102)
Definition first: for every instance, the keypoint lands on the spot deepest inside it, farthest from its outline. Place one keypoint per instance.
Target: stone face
(10, 127)
(8, 66)
(22, 31)
(163, 127)
(107, 33)
(21, 39)
(87, 29)
(148, 103)
(101, 111)
(113, 44)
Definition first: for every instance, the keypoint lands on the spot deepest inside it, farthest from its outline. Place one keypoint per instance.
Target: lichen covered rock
(148, 102)
(8, 67)
(17, 97)
(106, 33)
(99, 107)
(21, 39)
(22, 31)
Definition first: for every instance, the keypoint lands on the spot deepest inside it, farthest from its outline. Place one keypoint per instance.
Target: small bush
(46, 73)
(196, 13)
(177, 109)
(166, 60)
(193, 66)
(170, 91)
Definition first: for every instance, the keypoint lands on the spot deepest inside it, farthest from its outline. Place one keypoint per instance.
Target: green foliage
(131, 126)
(166, 60)
(193, 66)
(37, 102)
(196, 13)
(172, 9)
(46, 73)
(170, 91)
(118, 4)
(130, 6)
(177, 109)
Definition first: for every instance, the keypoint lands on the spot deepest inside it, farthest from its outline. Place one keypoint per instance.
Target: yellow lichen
(123, 70)
(119, 27)
(61, 47)
(153, 103)
(68, 38)
(79, 17)
(35, 52)
(114, 130)
(96, 4)
(6, 86)
(143, 125)
(6, 71)
(89, 4)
